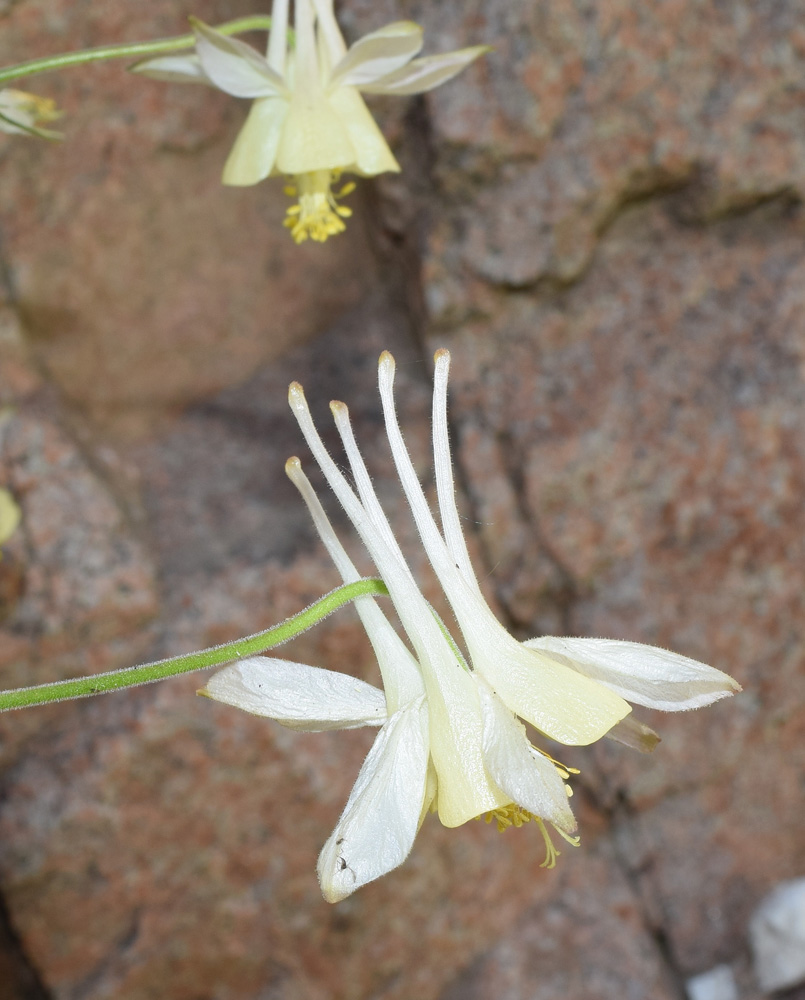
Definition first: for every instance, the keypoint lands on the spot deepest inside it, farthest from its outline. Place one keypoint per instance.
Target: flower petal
(371, 151)
(377, 828)
(255, 151)
(645, 675)
(454, 710)
(10, 515)
(173, 69)
(548, 694)
(378, 54)
(22, 113)
(426, 73)
(235, 67)
(297, 696)
(530, 779)
(464, 789)
(314, 138)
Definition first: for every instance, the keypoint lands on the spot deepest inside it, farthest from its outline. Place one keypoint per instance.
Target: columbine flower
(10, 515)
(22, 113)
(450, 739)
(308, 120)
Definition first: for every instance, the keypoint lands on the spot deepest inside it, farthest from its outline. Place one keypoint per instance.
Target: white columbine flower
(308, 120)
(22, 113)
(450, 739)
(10, 516)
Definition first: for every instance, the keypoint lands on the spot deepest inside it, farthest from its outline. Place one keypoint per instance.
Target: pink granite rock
(603, 219)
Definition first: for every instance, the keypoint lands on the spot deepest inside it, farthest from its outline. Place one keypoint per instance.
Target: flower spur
(450, 739)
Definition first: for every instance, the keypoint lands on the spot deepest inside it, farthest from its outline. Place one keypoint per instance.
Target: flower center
(318, 214)
(514, 815)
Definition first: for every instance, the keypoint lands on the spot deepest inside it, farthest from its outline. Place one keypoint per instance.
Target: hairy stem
(257, 22)
(145, 673)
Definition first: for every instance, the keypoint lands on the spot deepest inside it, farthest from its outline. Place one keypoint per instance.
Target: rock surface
(602, 220)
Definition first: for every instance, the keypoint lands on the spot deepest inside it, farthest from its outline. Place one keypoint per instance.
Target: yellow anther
(506, 816)
(516, 816)
(318, 214)
(564, 771)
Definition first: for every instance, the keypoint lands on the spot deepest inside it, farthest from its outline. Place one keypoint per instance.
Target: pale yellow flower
(10, 516)
(308, 120)
(22, 113)
(450, 738)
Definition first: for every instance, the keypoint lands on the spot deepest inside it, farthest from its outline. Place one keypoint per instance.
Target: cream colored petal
(378, 54)
(528, 778)
(22, 113)
(431, 791)
(561, 703)
(235, 67)
(314, 138)
(456, 740)
(426, 73)
(173, 69)
(377, 828)
(456, 729)
(298, 696)
(371, 151)
(255, 151)
(551, 696)
(645, 675)
(10, 515)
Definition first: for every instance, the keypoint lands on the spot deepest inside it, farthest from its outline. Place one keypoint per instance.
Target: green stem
(257, 22)
(115, 680)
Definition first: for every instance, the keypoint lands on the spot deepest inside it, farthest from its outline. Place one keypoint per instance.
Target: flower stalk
(146, 673)
(127, 50)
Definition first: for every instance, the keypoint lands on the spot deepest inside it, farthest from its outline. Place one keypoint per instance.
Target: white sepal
(378, 54)
(173, 69)
(235, 67)
(377, 828)
(298, 696)
(425, 73)
(528, 778)
(645, 675)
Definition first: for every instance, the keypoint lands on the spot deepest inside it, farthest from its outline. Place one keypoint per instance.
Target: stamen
(318, 214)
(516, 816)
(564, 771)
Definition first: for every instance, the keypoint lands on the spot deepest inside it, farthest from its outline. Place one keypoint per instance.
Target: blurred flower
(10, 515)
(308, 119)
(21, 114)
(450, 738)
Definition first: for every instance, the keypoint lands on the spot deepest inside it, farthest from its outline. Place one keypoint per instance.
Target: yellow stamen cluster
(510, 815)
(40, 109)
(514, 815)
(318, 214)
